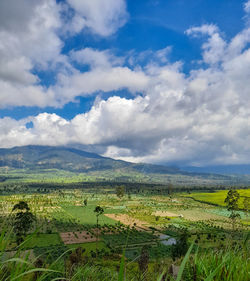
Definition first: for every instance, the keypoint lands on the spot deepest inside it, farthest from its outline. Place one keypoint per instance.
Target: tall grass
(219, 265)
(16, 264)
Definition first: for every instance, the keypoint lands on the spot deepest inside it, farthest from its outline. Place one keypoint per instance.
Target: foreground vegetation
(134, 236)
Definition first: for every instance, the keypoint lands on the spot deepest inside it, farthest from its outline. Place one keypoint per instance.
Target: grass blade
(212, 274)
(35, 270)
(122, 268)
(184, 263)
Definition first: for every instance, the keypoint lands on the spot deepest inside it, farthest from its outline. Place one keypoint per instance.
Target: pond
(167, 240)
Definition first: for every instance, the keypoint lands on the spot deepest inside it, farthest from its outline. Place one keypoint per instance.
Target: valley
(66, 225)
(74, 215)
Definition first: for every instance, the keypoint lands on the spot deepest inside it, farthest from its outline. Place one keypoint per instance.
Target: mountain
(223, 169)
(70, 159)
(47, 162)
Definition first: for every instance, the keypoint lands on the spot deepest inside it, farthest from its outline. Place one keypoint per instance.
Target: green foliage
(120, 191)
(84, 215)
(51, 260)
(180, 248)
(43, 240)
(99, 210)
(179, 276)
(232, 200)
(130, 237)
(246, 204)
(23, 220)
(51, 253)
(218, 197)
(232, 205)
(228, 264)
(122, 268)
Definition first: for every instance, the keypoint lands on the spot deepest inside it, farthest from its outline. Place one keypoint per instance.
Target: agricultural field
(219, 196)
(66, 221)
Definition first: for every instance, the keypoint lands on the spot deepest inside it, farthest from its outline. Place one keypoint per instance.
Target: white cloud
(214, 48)
(198, 118)
(30, 42)
(247, 7)
(201, 118)
(99, 80)
(96, 58)
(208, 29)
(101, 17)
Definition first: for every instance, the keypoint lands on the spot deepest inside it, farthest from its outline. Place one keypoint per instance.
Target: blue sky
(160, 81)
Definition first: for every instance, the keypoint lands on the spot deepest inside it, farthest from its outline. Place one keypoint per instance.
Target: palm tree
(99, 211)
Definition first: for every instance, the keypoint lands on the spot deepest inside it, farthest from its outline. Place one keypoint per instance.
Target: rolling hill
(70, 159)
(66, 162)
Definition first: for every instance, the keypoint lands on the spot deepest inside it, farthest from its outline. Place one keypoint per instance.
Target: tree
(246, 204)
(85, 202)
(170, 188)
(232, 205)
(129, 196)
(99, 211)
(181, 246)
(120, 191)
(23, 220)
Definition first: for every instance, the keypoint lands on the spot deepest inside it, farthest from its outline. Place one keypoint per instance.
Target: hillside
(71, 162)
(70, 159)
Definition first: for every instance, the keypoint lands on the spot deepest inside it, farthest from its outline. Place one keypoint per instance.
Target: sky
(157, 81)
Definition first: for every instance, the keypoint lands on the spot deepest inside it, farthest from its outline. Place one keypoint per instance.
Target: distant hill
(25, 161)
(70, 159)
(223, 169)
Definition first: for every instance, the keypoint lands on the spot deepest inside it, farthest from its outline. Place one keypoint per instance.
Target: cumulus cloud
(96, 58)
(215, 46)
(203, 116)
(198, 118)
(99, 80)
(31, 41)
(28, 40)
(101, 17)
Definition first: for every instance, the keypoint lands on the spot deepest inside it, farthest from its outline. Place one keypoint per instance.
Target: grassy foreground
(228, 263)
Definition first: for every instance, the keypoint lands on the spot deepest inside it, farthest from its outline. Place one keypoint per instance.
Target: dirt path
(127, 220)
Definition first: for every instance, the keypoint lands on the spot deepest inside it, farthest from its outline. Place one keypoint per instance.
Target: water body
(167, 240)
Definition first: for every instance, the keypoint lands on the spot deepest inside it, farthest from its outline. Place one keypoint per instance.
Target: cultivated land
(218, 197)
(63, 224)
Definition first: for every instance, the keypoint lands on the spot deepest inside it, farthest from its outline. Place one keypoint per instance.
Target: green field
(43, 240)
(138, 221)
(86, 215)
(90, 246)
(218, 197)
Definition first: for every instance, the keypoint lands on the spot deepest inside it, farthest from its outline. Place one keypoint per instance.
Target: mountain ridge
(33, 162)
(68, 158)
